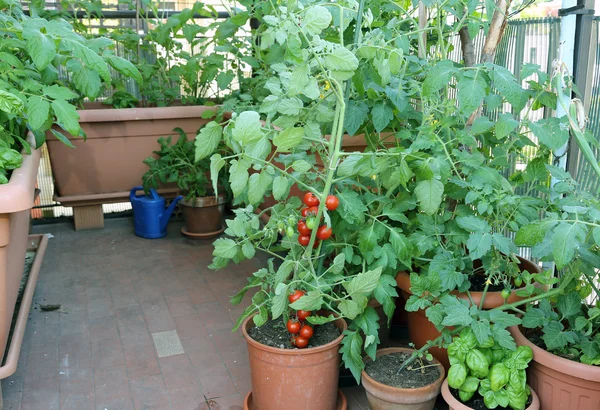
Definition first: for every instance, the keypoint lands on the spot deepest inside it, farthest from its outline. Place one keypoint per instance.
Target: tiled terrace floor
(126, 304)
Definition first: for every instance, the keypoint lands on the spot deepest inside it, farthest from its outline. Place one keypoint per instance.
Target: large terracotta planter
(111, 159)
(203, 217)
(560, 383)
(421, 330)
(384, 397)
(16, 200)
(454, 404)
(294, 379)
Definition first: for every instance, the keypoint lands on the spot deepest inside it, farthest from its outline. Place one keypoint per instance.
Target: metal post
(583, 68)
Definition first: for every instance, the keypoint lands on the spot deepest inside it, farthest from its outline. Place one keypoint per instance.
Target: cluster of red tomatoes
(309, 213)
(301, 332)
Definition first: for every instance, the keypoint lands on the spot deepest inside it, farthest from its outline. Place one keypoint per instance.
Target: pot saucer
(201, 235)
(341, 402)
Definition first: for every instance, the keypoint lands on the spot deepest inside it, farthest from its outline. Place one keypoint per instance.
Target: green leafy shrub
(495, 373)
(32, 98)
(176, 163)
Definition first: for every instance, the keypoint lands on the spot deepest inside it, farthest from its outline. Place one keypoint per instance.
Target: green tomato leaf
(124, 67)
(207, 140)
(38, 110)
(66, 116)
(316, 19)
(247, 127)
(429, 194)
(10, 103)
(351, 353)
(41, 48)
(258, 184)
(288, 138)
(225, 248)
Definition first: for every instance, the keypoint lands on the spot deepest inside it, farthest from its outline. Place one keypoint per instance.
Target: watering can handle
(133, 191)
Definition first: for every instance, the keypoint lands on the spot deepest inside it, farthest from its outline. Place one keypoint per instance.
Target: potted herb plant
(178, 89)
(32, 100)
(489, 374)
(202, 207)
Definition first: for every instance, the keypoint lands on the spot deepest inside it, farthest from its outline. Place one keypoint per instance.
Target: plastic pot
(561, 383)
(294, 379)
(421, 330)
(203, 217)
(384, 397)
(454, 404)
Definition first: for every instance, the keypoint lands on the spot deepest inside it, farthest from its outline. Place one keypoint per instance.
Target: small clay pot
(294, 379)
(561, 383)
(455, 404)
(203, 217)
(384, 397)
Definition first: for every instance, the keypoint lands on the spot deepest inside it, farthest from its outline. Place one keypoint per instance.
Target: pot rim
(205, 201)
(457, 405)
(293, 352)
(402, 390)
(557, 363)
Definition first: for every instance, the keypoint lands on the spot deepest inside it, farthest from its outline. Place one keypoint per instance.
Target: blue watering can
(150, 217)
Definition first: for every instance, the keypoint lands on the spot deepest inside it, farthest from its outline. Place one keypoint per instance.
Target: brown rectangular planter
(16, 200)
(103, 168)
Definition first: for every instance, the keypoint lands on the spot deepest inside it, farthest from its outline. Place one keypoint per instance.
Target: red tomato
(311, 199)
(295, 296)
(304, 212)
(303, 240)
(293, 327)
(301, 342)
(303, 314)
(313, 210)
(306, 331)
(303, 229)
(324, 232)
(332, 202)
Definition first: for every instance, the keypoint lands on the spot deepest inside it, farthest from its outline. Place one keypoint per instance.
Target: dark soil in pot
(274, 333)
(385, 370)
(476, 402)
(478, 284)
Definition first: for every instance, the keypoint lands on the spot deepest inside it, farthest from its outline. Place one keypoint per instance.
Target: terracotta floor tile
(40, 394)
(201, 352)
(100, 308)
(216, 381)
(178, 371)
(141, 361)
(76, 387)
(74, 352)
(187, 398)
(157, 316)
(104, 328)
(123, 295)
(179, 304)
(111, 387)
(190, 327)
(149, 393)
(214, 316)
(201, 294)
(107, 353)
(73, 323)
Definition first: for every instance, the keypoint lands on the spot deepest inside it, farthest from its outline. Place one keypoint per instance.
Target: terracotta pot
(294, 379)
(384, 397)
(421, 330)
(203, 217)
(454, 404)
(16, 200)
(561, 383)
(110, 160)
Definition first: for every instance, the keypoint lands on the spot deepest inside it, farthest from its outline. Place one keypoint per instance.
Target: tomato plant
(297, 294)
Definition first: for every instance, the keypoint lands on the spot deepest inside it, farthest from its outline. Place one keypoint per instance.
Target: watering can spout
(164, 219)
